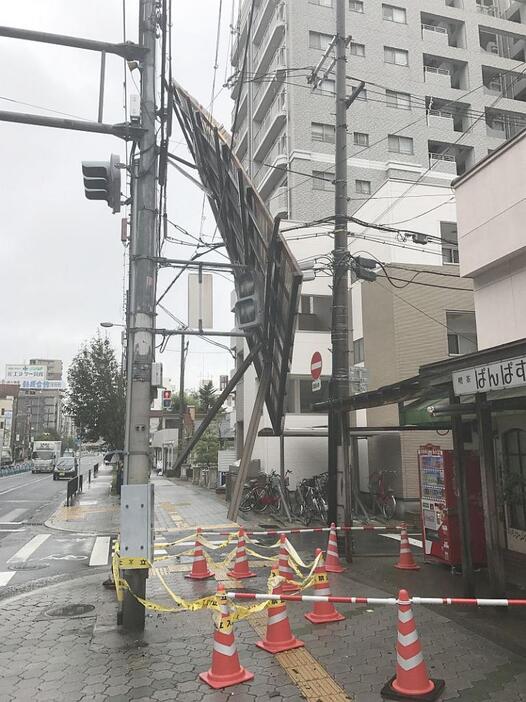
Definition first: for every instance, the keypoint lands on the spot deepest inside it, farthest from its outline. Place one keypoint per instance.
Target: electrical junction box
(137, 522)
(157, 375)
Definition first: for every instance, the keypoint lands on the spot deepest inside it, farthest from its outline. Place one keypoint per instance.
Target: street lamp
(107, 325)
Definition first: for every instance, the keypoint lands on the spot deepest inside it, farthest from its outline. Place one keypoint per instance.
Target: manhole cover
(27, 566)
(73, 610)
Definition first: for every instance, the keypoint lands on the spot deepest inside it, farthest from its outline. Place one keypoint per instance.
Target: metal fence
(16, 468)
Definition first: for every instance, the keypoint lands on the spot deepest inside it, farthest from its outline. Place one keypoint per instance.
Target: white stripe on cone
(410, 663)
(224, 649)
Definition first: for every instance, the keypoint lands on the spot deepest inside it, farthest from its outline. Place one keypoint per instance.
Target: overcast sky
(61, 260)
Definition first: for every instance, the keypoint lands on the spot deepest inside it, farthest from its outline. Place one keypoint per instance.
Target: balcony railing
(279, 149)
(277, 107)
(441, 157)
(277, 19)
(434, 28)
(279, 61)
(437, 71)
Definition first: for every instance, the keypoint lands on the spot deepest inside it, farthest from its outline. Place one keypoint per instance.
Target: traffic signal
(102, 181)
(167, 399)
(363, 268)
(248, 305)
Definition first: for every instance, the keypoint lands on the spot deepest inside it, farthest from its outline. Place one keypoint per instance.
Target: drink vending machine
(439, 504)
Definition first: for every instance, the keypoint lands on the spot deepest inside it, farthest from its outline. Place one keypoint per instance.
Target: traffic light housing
(167, 399)
(102, 181)
(248, 306)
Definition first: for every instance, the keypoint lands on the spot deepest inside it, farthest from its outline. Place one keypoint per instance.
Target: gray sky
(61, 256)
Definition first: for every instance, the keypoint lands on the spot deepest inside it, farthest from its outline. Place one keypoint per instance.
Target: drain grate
(72, 610)
(27, 566)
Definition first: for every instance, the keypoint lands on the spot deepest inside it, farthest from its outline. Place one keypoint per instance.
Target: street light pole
(141, 318)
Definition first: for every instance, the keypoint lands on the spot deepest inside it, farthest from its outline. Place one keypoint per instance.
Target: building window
(327, 87)
(401, 101)
(363, 187)
(321, 180)
(361, 139)
(394, 14)
(461, 333)
(514, 478)
(449, 236)
(400, 144)
(319, 41)
(357, 49)
(356, 6)
(400, 57)
(358, 351)
(323, 132)
(362, 95)
(323, 3)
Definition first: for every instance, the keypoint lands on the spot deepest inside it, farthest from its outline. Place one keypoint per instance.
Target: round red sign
(315, 365)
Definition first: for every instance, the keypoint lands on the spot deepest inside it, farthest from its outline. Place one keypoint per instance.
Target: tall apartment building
(445, 85)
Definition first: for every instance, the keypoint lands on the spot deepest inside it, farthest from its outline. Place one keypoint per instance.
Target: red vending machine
(439, 498)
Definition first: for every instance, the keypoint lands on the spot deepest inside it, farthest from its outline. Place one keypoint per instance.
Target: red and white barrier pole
(474, 602)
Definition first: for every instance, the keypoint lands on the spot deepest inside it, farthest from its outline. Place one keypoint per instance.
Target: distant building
(8, 409)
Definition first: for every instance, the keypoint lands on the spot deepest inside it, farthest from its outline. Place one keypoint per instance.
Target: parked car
(67, 467)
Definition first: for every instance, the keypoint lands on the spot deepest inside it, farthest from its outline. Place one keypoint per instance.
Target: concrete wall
(491, 215)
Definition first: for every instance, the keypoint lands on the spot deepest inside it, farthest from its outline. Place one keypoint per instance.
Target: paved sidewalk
(88, 658)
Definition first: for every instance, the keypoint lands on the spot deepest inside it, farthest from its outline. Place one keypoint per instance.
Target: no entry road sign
(315, 365)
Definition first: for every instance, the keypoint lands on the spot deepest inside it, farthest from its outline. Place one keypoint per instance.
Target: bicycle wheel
(259, 504)
(389, 506)
(247, 503)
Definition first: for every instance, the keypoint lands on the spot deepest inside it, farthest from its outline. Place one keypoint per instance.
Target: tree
(96, 399)
(207, 396)
(190, 398)
(208, 446)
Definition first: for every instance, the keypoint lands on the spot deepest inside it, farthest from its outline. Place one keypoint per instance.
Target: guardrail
(16, 468)
(76, 484)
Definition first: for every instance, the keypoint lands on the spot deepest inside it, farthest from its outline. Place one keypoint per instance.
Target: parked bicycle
(262, 494)
(382, 495)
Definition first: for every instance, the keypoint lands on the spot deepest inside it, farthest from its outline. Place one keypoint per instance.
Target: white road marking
(5, 577)
(66, 557)
(84, 503)
(23, 554)
(11, 517)
(396, 537)
(10, 531)
(18, 487)
(100, 551)
(160, 552)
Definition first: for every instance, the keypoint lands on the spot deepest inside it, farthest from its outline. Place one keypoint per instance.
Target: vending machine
(439, 502)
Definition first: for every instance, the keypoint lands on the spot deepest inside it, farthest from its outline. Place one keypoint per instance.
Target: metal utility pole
(338, 459)
(141, 319)
(182, 407)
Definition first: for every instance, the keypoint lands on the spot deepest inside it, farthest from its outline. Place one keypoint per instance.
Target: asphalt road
(32, 555)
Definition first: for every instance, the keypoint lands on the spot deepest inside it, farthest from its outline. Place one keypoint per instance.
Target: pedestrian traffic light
(167, 399)
(248, 304)
(102, 181)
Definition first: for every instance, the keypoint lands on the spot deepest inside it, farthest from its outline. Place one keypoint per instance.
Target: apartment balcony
(435, 35)
(437, 76)
(444, 163)
(267, 93)
(278, 203)
(271, 126)
(270, 42)
(242, 145)
(262, 18)
(510, 85)
(496, 130)
(441, 120)
(503, 44)
(270, 172)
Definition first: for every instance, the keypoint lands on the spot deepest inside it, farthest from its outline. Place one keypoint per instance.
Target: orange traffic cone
(284, 569)
(279, 636)
(322, 612)
(332, 564)
(226, 669)
(199, 566)
(240, 569)
(406, 560)
(411, 681)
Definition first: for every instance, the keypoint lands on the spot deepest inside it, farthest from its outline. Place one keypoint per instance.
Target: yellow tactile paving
(311, 678)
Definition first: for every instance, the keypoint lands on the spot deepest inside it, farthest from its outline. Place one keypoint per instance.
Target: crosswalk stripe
(27, 550)
(100, 551)
(12, 516)
(5, 577)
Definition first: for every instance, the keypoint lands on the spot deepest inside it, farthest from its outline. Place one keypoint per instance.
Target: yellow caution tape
(188, 552)
(166, 544)
(295, 556)
(213, 547)
(256, 543)
(260, 555)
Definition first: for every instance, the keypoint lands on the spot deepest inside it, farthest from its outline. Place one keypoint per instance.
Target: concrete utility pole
(182, 406)
(338, 460)
(141, 332)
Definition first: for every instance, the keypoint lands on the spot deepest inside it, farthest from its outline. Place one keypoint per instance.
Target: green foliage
(207, 395)
(208, 446)
(96, 396)
(190, 398)
(68, 442)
